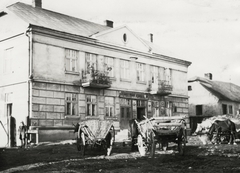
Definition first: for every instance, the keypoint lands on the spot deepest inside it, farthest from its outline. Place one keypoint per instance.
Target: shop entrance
(126, 115)
(140, 113)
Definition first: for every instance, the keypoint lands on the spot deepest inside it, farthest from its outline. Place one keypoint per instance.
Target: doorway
(11, 126)
(125, 117)
(140, 113)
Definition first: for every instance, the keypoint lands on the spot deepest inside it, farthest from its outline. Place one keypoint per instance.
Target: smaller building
(208, 97)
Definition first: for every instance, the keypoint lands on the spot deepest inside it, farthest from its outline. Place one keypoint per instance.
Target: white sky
(205, 32)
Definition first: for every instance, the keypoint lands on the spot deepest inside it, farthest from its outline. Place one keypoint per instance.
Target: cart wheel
(152, 146)
(82, 144)
(181, 145)
(141, 147)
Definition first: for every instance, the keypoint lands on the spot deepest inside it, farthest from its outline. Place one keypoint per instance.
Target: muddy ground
(64, 157)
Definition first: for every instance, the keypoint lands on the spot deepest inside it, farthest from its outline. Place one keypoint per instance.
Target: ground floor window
(109, 106)
(230, 109)
(91, 105)
(199, 109)
(71, 104)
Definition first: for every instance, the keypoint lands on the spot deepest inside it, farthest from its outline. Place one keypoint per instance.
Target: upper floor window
(109, 106)
(91, 105)
(7, 68)
(109, 66)
(125, 69)
(168, 75)
(154, 74)
(71, 60)
(71, 104)
(140, 72)
(91, 62)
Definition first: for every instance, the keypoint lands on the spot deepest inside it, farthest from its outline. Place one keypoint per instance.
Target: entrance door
(126, 115)
(140, 113)
(12, 126)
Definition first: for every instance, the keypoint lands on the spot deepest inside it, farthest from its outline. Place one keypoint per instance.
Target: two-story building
(56, 70)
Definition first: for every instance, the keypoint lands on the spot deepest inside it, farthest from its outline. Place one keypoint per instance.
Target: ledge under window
(142, 82)
(72, 72)
(125, 80)
(72, 117)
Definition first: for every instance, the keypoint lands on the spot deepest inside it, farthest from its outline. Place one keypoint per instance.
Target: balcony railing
(160, 87)
(96, 79)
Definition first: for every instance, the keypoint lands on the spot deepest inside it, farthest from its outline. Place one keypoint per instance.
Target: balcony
(160, 87)
(95, 79)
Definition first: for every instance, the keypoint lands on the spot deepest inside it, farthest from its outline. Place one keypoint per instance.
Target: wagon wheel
(81, 143)
(152, 145)
(181, 144)
(141, 145)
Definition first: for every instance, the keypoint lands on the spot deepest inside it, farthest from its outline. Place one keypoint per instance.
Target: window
(91, 62)
(125, 102)
(224, 109)
(140, 72)
(109, 63)
(155, 109)
(7, 68)
(71, 60)
(125, 69)
(230, 109)
(199, 110)
(189, 88)
(71, 104)
(168, 78)
(109, 106)
(91, 105)
(141, 103)
(154, 74)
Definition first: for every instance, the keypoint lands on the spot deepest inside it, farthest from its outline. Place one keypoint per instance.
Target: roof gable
(56, 21)
(123, 36)
(223, 90)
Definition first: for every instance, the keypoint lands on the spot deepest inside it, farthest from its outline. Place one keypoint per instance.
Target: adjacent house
(209, 98)
(57, 70)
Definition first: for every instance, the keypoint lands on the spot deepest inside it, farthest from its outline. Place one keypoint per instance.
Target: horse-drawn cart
(98, 134)
(161, 130)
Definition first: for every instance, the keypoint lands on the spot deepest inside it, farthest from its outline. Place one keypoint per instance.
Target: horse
(223, 127)
(134, 133)
(23, 134)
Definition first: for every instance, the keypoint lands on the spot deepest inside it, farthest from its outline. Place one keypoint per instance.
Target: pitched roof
(57, 21)
(223, 90)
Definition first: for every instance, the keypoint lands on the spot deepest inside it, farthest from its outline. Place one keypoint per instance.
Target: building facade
(208, 97)
(59, 70)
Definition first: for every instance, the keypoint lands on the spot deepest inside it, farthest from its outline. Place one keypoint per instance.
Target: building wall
(13, 83)
(51, 83)
(211, 105)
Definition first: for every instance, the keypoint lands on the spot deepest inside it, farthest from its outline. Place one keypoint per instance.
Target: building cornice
(97, 43)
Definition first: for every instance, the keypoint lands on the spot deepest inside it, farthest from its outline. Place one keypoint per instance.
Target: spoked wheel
(181, 144)
(141, 145)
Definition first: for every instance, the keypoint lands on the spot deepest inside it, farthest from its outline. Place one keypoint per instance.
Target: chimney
(151, 37)
(37, 3)
(208, 76)
(109, 23)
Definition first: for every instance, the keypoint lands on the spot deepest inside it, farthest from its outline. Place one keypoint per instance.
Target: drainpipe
(30, 63)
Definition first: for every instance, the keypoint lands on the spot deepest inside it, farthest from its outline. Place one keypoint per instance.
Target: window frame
(91, 103)
(140, 72)
(90, 59)
(7, 61)
(125, 69)
(75, 102)
(111, 73)
(108, 107)
(71, 55)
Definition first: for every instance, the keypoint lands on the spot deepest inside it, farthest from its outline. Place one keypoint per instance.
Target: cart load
(98, 134)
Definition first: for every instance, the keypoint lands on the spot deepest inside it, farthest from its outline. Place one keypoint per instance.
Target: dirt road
(65, 158)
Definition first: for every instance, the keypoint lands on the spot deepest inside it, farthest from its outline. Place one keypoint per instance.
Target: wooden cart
(98, 134)
(161, 130)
